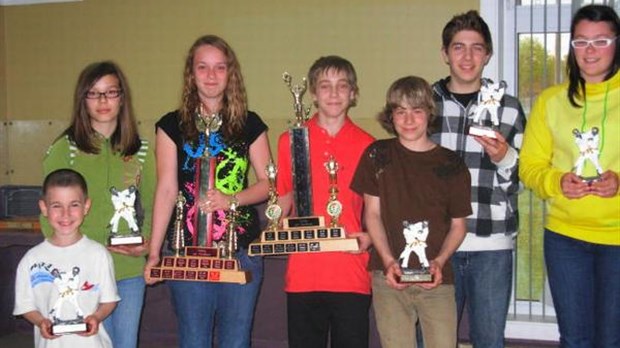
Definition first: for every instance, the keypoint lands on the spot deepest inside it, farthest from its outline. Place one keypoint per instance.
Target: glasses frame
(109, 94)
(608, 41)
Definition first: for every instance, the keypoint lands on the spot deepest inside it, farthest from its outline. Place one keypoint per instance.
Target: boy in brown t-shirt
(408, 180)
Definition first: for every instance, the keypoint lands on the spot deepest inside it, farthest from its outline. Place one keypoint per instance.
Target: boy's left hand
(363, 240)
(435, 268)
(131, 250)
(495, 148)
(92, 326)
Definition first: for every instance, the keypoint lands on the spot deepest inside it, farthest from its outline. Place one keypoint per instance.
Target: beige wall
(44, 47)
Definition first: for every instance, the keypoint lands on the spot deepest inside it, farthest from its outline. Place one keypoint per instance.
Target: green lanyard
(583, 119)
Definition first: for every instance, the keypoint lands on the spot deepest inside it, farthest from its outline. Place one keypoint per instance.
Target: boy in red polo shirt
(328, 294)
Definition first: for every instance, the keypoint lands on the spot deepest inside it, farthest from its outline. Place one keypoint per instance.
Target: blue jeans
(124, 323)
(585, 284)
(482, 281)
(199, 306)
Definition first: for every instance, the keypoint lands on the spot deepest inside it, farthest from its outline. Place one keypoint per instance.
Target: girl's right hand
(45, 327)
(573, 186)
(152, 261)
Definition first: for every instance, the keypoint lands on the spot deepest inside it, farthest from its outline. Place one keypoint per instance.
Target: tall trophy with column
(305, 233)
(300, 148)
(204, 260)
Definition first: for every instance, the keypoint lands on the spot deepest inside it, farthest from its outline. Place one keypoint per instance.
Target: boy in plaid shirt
(483, 263)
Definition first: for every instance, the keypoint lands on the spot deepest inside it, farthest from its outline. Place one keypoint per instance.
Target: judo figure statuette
(415, 242)
(124, 203)
(489, 101)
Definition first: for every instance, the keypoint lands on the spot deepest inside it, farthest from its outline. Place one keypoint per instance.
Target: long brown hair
(125, 138)
(235, 102)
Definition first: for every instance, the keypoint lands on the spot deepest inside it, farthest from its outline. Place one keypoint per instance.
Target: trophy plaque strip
(302, 234)
(194, 262)
(306, 221)
(302, 181)
(201, 251)
(60, 329)
(202, 275)
(303, 246)
(128, 240)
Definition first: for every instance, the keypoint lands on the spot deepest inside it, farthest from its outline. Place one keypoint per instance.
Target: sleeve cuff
(509, 160)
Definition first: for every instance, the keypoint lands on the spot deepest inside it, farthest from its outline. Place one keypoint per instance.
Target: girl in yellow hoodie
(571, 158)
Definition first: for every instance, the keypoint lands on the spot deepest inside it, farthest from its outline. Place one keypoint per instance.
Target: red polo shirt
(330, 271)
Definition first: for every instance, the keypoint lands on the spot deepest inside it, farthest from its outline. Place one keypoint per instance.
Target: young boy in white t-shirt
(67, 278)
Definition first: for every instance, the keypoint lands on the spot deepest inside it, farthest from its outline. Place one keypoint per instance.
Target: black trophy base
(69, 327)
(590, 179)
(482, 131)
(416, 276)
(125, 240)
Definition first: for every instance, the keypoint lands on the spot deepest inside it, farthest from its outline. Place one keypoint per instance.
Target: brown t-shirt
(431, 186)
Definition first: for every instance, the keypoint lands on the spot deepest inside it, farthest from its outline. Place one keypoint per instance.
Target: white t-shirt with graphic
(65, 283)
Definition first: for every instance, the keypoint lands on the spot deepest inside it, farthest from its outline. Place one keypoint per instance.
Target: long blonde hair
(235, 103)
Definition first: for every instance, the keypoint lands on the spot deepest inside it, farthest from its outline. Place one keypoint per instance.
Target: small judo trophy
(489, 101)
(68, 287)
(178, 237)
(206, 125)
(124, 203)
(415, 242)
(588, 144)
(300, 149)
(273, 212)
(334, 207)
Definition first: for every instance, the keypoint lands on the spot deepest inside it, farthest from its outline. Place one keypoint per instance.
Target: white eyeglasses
(598, 43)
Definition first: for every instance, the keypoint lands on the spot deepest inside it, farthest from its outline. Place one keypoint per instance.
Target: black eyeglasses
(598, 43)
(111, 94)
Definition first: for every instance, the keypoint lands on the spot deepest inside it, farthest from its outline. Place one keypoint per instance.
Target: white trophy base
(482, 131)
(416, 276)
(65, 329)
(125, 240)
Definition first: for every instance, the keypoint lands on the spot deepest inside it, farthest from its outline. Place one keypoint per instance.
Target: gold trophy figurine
(207, 124)
(178, 238)
(334, 207)
(301, 112)
(229, 246)
(273, 211)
